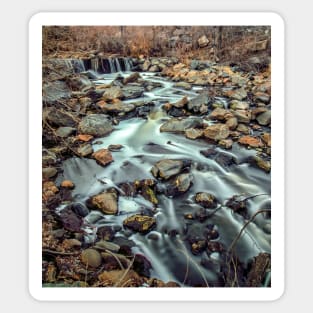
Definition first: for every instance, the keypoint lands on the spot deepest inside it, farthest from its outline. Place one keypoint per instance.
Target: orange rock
(103, 156)
(251, 141)
(49, 189)
(84, 138)
(67, 184)
(266, 137)
(101, 104)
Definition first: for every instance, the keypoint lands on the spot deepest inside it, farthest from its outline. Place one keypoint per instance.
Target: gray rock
(146, 65)
(58, 117)
(167, 168)
(95, 125)
(132, 92)
(48, 172)
(264, 119)
(106, 245)
(54, 91)
(239, 105)
(183, 85)
(154, 69)
(111, 93)
(131, 78)
(48, 157)
(199, 104)
(79, 83)
(243, 116)
(64, 132)
(175, 125)
(179, 185)
(85, 150)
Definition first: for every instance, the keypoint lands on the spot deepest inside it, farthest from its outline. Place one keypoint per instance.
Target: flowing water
(166, 246)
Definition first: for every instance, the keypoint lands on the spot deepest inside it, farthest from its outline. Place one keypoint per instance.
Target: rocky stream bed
(155, 174)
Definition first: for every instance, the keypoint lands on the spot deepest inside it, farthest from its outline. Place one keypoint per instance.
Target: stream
(166, 246)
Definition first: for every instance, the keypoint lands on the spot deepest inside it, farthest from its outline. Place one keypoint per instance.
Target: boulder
(199, 104)
(103, 156)
(106, 202)
(179, 185)
(193, 133)
(206, 200)
(232, 123)
(95, 125)
(132, 92)
(140, 223)
(111, 93)
(176, 125)
(85, 150)
(216, 132)
(48, 172)
(167, 168)
(131, 78)
(264, 119)
(59, 118)
(220, 114)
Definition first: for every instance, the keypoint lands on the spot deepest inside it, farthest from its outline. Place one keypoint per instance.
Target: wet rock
(64, 132)
(201, 214)
(211, 232)
(48, 157)
(54, 91)
(59, 118)
(115, 148)
(167, 168)
(107, 233)
(215, 246)
(95, 125)
(220, 114)
(238, 204)
(79, 83)
(116, 106)
(261, 163)
(232, 123)
(154, 69)
(149, 194)
(242, 116)
(198, 247)
(132, 92)
(70, 220)
(131, 78)
(236, 94)
(142, 265)
(120, 278)
(183, 85)
(140, 223)
(103, 156)
(79, 209)
(203, 41)
(84, 138)
(205, 199)
(199, 104)
(193, 133)
(243, 129)
(181, 103)
(250, 141)
(226, 143)
(216, 132)
(224, 159)
(195, 233)
(263, 97)
(146, 65)
(48, 172)
(260, 266)
(239, 105)
(85, 150)
(176, 125)
(105, 202)
(179, 185)
(67, 184)
(91, 257)
(266, 137)
(264, 119)
(112, 93)
(103, 245)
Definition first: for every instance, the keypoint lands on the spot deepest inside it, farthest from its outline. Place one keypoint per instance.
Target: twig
(125, 273)
(58, 252)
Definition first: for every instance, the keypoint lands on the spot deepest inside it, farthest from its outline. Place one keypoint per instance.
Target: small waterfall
(128, 64)
(78, 65)
(117, 65)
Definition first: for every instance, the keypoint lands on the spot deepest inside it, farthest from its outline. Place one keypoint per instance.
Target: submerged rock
(179, 185)
(95, 125)
(205, 199)
(216, 132)
(140, 223)
(106, 202)
(175, 125)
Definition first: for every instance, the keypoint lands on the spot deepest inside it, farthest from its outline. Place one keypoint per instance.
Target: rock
(105, 202)
(167, 168)
(113, 262)
(67, 184)
(199, 104)
(242, 116)
(142, 265)
(49, 190)
(264, 119)
(215, 246)
(250, 141)
(131, 78)
(181, 103)
(179, 185)
(226, 143)
(115, 148)
(260, 266)
(120, 278)
(70, 220)
(71, 243)
(255, 112)
(205, 199)
(146, 65)
(216, 132)
(261, 163)
(243, 129)
(154, 68)
(95, 125)
(112, 93)
(203, 41)
(232, 123)
(198, 247)
(54, 91)
(48, 157)
(48, 172)
(116, 107)
(85, 150)
(132, 92)
(223, 159)
(175, 125)
(103, 156)
(79, 83)
(237, 94)
(85, 138)
(263, 97)
(79, 209)
(193, 133)
(183, 85)
(64, 132)
(239, 105)
(91, 257)
(106, 245)
(201, 214)
(59, 118)
(140, 223)
(266, 137)
(220, 114)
